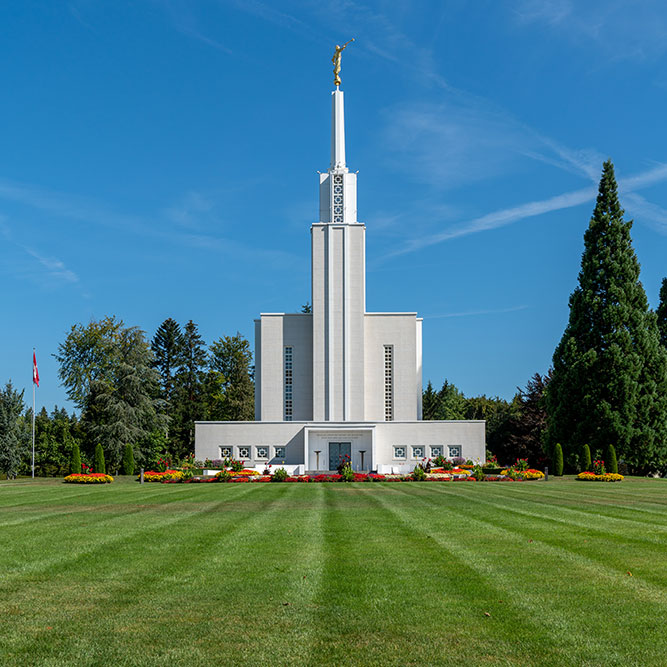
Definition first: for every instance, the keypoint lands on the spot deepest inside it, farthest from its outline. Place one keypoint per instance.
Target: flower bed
(88, 478)
(606, 477)
(531, 473)
(166, 476)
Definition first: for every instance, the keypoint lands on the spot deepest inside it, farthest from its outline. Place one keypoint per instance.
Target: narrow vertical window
(388, 383)
(288, 384)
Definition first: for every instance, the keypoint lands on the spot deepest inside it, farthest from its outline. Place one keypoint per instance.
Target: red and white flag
(35, 372)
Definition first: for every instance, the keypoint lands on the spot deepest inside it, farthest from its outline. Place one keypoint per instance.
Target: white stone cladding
(378, 440)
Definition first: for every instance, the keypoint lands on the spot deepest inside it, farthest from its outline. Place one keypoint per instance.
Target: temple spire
(337, 131)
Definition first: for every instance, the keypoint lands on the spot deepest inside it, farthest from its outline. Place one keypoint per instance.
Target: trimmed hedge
(128, 461)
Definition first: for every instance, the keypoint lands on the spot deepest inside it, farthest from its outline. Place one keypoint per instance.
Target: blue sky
(159, 160)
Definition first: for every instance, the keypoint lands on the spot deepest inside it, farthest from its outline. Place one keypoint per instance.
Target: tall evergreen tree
(13, 440)
(99, 464)
(167, 347)
(662, 313)
(231, 359)
(452, 402)
(430, 402)
(609, 379)
(189, 391)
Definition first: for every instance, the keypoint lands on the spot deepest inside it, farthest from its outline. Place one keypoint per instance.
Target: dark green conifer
(558, 460)
(75, 459)
(609, 370)
(98, 461)
(585, 458)
(610, 462)
(662, 313)
(128, 460)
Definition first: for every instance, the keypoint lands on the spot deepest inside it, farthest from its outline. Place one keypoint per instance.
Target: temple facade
(339, 381)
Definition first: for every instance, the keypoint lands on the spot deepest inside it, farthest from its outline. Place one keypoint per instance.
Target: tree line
(129, 390)
(608, 382)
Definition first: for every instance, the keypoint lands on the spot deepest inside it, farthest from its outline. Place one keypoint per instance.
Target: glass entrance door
(338, 451)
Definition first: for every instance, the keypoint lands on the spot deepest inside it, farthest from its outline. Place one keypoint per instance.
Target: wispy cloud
(191, 212)
(646, 211)
(471, 313)
(616, 28)
(507, 216)
(55, 268)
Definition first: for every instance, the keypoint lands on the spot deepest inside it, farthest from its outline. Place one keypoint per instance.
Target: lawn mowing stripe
(559, 496)
(68, 509)
(617, 577)
(563, 629)
(570, 520)
(81, 535)
(513, 616)
(360, 568)
(174, 566)
(630, 489)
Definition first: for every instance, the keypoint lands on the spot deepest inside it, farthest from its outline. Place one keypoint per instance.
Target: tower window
(289, 404)
(388, 383)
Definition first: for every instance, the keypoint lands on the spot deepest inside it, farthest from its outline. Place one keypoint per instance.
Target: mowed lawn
(555, 573)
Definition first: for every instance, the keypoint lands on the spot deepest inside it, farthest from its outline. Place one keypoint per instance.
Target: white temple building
(340, 380)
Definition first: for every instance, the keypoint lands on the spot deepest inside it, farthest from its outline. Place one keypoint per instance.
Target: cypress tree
(610, 462)
(128, 460)
(98, 459)
(558, 460)
(585, 458)
(75, 459)
(662, 313)
(609, 379)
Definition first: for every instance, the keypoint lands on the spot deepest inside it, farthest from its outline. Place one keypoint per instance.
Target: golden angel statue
(336, 61)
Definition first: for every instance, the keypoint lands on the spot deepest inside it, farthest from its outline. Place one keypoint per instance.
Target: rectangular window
(418, 452)
(279, 452)
(262, 452)
(289, 404)
(399, 452)
(436, 451)
(454, 450)
(225, 452)
(244, 452)
(388, 383)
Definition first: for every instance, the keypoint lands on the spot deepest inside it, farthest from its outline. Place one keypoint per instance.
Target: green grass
(334, 574)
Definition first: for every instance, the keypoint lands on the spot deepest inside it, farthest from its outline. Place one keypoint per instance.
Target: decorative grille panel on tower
(388, 383)
(337, 198)
(288, 384)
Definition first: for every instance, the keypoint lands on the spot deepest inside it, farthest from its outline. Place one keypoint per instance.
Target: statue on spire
(336, 61)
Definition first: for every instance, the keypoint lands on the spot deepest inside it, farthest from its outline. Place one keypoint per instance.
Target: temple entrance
(337, 452)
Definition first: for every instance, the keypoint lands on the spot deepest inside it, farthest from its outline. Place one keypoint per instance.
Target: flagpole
(33, 416)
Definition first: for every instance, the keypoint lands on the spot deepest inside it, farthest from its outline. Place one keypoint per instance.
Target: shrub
(521, 465)
(347, 474)
(478, 473)
(440, 461)
(98, 460)
(223, 475)
(418, 474)
(128, 461)
(585, 458)
(558, 460)
(612, 463)
(345, 464)
(75, 459)
(280, 475)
